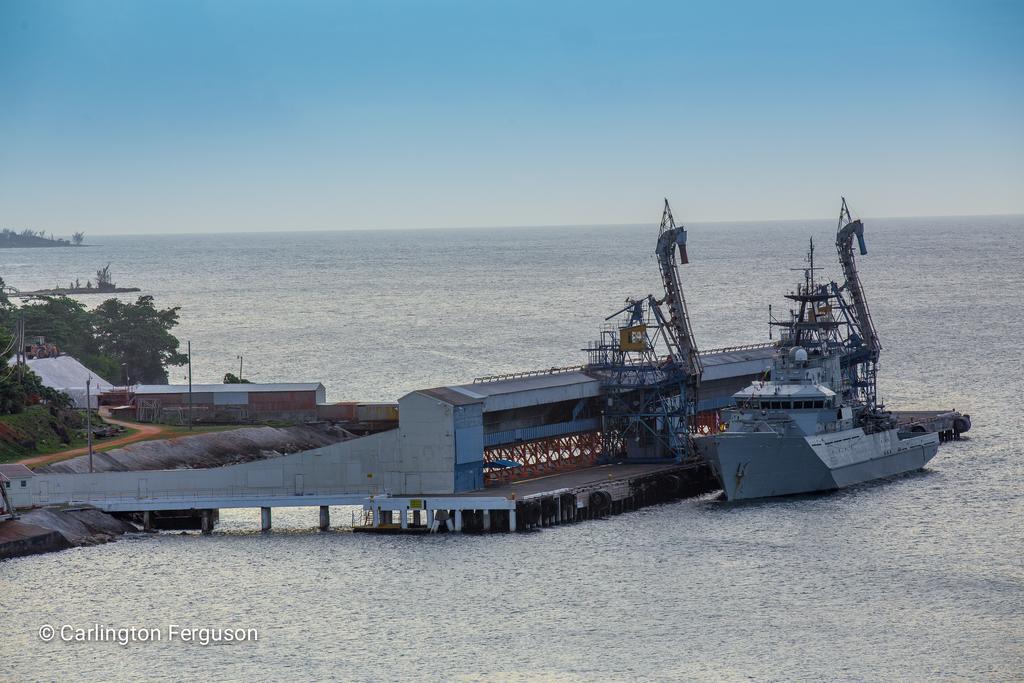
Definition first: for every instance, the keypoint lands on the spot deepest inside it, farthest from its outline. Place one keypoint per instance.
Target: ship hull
(765, 464)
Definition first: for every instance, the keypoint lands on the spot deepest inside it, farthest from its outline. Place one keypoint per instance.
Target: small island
(10, 239)
(104, 285)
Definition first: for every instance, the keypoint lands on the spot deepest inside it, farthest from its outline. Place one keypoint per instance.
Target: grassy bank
(37, 430)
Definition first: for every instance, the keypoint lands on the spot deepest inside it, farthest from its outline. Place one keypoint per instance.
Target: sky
(186, 116)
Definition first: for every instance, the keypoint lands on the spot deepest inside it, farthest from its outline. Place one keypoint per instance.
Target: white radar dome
(800, 355)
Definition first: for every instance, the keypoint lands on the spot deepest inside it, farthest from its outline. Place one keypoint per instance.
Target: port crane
(651, 396)
(863, 346)
(682, 347)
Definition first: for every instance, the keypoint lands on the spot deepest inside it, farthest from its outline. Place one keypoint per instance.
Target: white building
(16, 479)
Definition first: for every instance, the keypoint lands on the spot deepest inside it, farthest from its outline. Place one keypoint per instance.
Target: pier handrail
(580, 368)
(528, 373)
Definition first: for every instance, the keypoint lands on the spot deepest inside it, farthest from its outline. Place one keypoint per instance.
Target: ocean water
(919, 578)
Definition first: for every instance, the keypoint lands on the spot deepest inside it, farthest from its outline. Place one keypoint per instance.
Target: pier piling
(264, 519)
(325, 518)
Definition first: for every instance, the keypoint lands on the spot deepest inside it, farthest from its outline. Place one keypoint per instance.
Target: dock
(552, 500)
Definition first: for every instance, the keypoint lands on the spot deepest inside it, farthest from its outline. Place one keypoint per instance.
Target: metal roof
(223, 388)
(519, 392)
(16, 471)
(530, 383)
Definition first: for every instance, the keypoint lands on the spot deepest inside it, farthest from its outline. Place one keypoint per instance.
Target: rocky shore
(44, 530)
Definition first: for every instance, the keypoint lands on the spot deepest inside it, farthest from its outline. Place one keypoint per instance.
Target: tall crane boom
(848, 229)
(650, 400)
(680, 335)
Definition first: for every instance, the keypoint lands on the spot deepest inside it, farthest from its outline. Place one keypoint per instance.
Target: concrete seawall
(49, 529)
(202, 451)
(18, 539)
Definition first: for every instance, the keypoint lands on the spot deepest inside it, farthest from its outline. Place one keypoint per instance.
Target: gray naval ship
(813, 424)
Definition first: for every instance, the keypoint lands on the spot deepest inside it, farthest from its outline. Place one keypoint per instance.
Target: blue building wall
(469, 447)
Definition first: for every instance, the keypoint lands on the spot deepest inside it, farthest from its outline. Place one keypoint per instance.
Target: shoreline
(46, 530)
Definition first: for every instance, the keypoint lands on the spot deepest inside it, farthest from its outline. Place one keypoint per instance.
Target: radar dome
(800, 355)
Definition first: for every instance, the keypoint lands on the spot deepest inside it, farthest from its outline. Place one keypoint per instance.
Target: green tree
(139, 337)
(72, 327)
(19, 388)
(6, 307)
(231, 378)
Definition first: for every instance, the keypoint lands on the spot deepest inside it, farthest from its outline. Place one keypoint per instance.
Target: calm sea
(920, 578)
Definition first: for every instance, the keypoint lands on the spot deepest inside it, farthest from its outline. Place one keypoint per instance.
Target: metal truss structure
(543, 456)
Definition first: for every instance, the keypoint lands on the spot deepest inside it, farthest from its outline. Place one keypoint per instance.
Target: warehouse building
(462, 430)
(228, 402)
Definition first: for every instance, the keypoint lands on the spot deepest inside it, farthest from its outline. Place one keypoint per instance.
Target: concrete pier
(325, 518)
(207, 527)
(568, 497)
(264, 519)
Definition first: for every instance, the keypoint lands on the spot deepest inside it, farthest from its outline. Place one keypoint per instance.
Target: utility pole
(20, 337)
(239, 366)
(88, 418)
(190, 385)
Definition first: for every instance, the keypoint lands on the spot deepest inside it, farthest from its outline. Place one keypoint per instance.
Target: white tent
(66, 374)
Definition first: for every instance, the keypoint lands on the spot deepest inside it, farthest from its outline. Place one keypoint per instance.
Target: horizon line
(514, 227)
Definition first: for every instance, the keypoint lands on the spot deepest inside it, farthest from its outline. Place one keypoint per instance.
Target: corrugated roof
(15, 471)
(449, 396)
(475, 393)
(223, 388)
(530, 383)
(519, 391)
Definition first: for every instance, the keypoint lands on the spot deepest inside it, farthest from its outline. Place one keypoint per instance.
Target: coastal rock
(79, 526)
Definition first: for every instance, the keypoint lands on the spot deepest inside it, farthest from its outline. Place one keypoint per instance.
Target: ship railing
(741, 347)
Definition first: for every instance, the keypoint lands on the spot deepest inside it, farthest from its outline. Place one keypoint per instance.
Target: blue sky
(134, 117)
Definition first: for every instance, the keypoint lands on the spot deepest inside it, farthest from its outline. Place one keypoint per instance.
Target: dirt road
(143, 433)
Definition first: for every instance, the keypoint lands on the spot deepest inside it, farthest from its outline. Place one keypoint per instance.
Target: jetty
(104, 285)
(633, 426)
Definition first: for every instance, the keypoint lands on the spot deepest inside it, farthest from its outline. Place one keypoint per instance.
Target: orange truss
(544, 456)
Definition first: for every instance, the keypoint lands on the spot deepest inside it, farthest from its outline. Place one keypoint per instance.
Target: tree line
(117, 340)
(30, 237)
